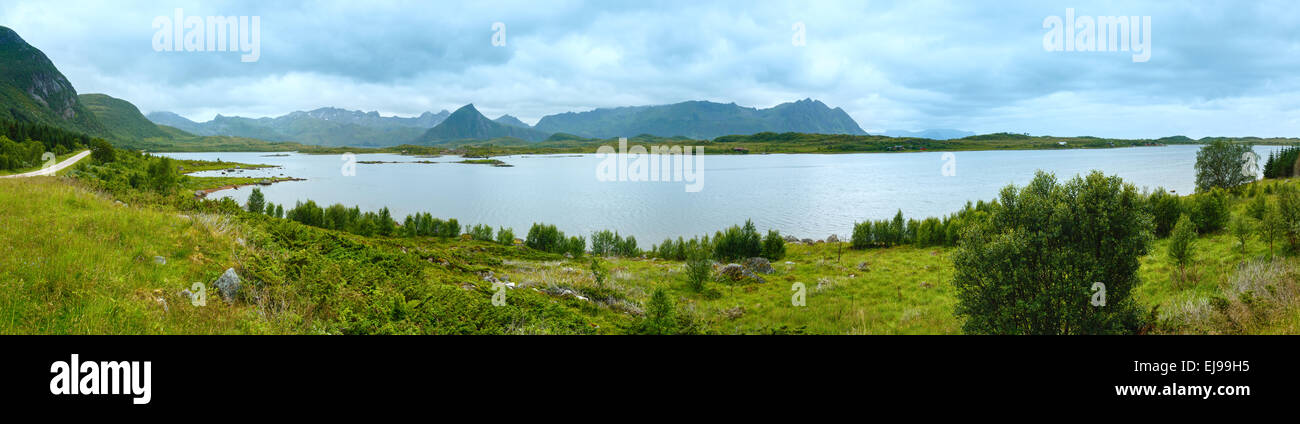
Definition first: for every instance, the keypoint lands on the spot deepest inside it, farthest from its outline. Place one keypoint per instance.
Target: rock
(791, 239)
(759, 265)
(807, 241)
(833, 239)
(200, 193)
(228, 283)
(863, 266)
(160, 260)
(732, 271)
(568, 255)
(737, 272)
(789, 263)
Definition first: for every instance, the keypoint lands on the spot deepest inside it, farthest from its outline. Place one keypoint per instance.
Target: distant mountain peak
(466, 123)
(512, 121)
(701, 119)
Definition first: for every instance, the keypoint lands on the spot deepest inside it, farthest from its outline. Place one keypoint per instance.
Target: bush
(1219, 165)
(161, 175)
(1030, 267)
(861, 238)
(660, 314)
(101, 151)
(481, 232)
(1272, 228)
(1165, 209)
(256, 202)
(545, 238)
(1182, 241)
(773, 246)
(738, 243)
(506, 236)
(698, 271)
(1210, 211)
(1257, 206)
(1241, 229)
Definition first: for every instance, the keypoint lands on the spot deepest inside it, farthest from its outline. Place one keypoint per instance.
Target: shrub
(1257, 206)
(1165, 209)
(161, 175)
(1182, 241)
(256, 202)
(698, 271)
(545, 238)
(481, 232)
(773, 246)
(660, 314)
(1029, 268)
(1241, 229)
(505, 236)
(1210, 211)
(1272, 228)
(101, 151)
(575, 245)
(861, 238)
(738, 243)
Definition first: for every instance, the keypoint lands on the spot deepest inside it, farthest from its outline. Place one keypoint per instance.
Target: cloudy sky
(1216, 68)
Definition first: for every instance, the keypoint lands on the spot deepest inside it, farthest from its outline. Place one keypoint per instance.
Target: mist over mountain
(702, 120)
(467, 123)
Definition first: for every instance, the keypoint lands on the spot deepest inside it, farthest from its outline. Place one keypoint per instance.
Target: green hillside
(123, 120)
(33, 90)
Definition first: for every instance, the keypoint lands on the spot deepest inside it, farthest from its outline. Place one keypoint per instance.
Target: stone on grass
(228, 283)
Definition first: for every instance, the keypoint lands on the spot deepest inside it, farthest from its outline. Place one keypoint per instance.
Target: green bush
(773, 246)
(1165, 209)
(256, 202)
(545, 238)
(737, 243)
(1030, 267)
(698, 271)
(505, 236)
(481, 232)
(1182, 241)
(1210, 211)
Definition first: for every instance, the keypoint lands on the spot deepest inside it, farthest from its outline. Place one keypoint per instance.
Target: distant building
(1061, 143)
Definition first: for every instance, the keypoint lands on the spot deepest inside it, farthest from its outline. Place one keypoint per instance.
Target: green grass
(74, 262)
(77, 262)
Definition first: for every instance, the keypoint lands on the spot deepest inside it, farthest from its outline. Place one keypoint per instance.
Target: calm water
(809, 196)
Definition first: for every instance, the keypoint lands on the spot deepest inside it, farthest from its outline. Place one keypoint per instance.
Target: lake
(805, 195)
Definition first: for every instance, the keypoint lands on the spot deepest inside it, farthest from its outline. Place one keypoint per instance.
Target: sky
(1216, 68)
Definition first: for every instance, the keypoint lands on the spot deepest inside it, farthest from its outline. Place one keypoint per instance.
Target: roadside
(52, 169)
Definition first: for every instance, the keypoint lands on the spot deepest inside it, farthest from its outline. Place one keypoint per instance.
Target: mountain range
(33, 90)
(702, 120)
(326, 126)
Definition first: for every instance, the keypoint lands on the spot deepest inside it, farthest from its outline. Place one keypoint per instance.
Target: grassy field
(77, 261)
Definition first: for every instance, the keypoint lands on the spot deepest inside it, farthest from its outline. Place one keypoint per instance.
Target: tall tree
(1224, 164)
